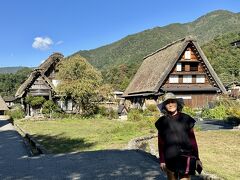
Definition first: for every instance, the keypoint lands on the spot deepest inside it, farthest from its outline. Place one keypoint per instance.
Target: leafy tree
(105, 92)
(79, 80)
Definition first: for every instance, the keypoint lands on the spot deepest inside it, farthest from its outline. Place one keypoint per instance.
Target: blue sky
(31, 30)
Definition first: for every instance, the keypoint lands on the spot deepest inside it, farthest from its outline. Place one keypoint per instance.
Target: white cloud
(59, 42)
(42, 43)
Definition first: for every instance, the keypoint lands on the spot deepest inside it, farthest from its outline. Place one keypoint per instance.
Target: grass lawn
(220, 152)
(68, 135)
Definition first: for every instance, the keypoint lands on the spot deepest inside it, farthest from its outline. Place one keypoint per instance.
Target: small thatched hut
(3, 106)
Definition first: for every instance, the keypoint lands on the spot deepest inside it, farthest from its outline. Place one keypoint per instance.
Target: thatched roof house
(180, 67)
(41, 82)
(3, 106)
(44, 73)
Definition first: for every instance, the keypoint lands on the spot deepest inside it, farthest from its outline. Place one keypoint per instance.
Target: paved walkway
(111, 164)
(213, 125)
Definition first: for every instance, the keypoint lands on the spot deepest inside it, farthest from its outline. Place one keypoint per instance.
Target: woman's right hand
(163, 167)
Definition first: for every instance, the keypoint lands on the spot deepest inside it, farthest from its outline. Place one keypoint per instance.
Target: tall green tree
(80, 81)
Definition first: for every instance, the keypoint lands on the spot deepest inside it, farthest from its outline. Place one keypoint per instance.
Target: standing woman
(176, 137)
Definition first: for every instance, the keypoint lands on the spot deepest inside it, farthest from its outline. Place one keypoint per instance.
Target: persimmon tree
(80, 81)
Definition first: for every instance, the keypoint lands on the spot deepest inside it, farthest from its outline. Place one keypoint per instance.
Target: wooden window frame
(187, 82)
(200, 82)
(187, 55)
(179, 67)
(173, 82)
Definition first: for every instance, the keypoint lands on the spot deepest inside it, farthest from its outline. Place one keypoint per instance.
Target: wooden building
(9, 100)
(233, 89)
(180, 67)
(122, 112)
(42, 82)
(3, 106)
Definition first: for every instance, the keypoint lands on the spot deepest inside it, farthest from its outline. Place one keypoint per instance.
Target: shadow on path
(214, 125)
(60, 143)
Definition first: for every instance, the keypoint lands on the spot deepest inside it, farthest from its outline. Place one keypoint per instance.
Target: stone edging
(142, 143)
(32, 144)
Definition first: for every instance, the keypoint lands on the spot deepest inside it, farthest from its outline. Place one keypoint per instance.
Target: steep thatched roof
(40, 71)
(157, 66)
(3, 106)
(55, 57)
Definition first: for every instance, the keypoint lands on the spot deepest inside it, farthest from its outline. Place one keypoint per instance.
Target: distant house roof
(157, 66)
(9, 98)
(40, 71)
(3, 106)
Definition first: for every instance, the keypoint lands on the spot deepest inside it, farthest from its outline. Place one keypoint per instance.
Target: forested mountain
(6, 70)
(9, 82)
(224, 58)
(120, 60)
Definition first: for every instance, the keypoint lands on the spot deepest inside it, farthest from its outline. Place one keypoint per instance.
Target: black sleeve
(158, 124)
(189, 121)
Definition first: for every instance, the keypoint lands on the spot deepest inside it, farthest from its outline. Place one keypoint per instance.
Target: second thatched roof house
(180, 67)
(42, 83)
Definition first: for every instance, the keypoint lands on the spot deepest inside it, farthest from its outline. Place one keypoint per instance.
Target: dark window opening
(194, 67)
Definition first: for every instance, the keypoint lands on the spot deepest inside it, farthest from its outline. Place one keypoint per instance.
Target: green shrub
(35, 101)
(135, 115)
(147, 112)
(49, 107)
(107, 112)
(234, 115)
(218, 112)
(16, 112)
(152, 108)
(89, 110)
(112, 114)
(189, 111)
(102, 111)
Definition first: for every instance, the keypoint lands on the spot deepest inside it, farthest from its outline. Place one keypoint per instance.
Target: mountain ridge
(12, 69)
(132, 48)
